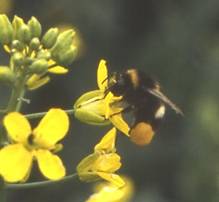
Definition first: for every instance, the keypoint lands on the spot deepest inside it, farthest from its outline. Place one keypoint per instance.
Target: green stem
(16, 95)
(41, 114)
(39, 184)
(20, 100)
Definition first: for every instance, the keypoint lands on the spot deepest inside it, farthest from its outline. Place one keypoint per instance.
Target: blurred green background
(177, 41)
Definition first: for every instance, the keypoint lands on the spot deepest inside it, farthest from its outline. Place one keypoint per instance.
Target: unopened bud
(17, 23)
(18, 45)
(66, 57)
(64, 41)
(34, 43)
(44, 54)
(50, 37)
(6, 75)
(39, 66)
(35, 27)
(24, 34)
(6, 30)
(18, 58)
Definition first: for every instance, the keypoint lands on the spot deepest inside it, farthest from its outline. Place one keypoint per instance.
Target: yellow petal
(58, 70)
(52, 128)
(102, 75)
(108, 192)
(87, 163)
(15, 163)
(120, 124)
(107, 163)
(7, 48)
(107, 143)
(108, 99)
(51, 62)
(36, 81)
(17, 126)
(50, 165)
(113, 178)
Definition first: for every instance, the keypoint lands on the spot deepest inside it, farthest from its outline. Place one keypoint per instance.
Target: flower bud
(17, 23)
(6, 30)
(18, 58)
(36, 81)
(39, 66)
(90, 108)
(44, 54)
(28, 61)
(24, 34)
(18, 45)
(6, 75)
(34, 43)
(66, 57)
(35, 27)
(50, 37)
(63, 43)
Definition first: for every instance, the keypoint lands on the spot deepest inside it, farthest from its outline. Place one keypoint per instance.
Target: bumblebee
(142, 95)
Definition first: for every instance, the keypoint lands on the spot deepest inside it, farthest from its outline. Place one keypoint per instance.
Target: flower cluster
(33, 54)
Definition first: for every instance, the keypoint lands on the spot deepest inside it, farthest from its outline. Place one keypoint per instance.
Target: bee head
(117, 84)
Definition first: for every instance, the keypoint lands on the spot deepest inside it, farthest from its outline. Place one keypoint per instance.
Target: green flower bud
(50, 37)
(24, 34)
(66, 57)
(39, 66)
(6, 75)
(17, 23)
(35, 27)
(64, 41)
(6, 30)
(90, 108)
(28, 61)
(18, 58)
(44, 54)
(16, 44)
(34, 43)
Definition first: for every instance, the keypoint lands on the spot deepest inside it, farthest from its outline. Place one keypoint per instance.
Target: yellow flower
(16, 158)
(108, 192)
(103, 163)
(98, 108)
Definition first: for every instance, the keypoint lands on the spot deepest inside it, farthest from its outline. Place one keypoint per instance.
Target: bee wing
(165, 99)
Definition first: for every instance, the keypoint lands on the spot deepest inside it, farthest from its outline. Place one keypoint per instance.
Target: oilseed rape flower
(98, 107)
(103, 163)
(27, 145)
